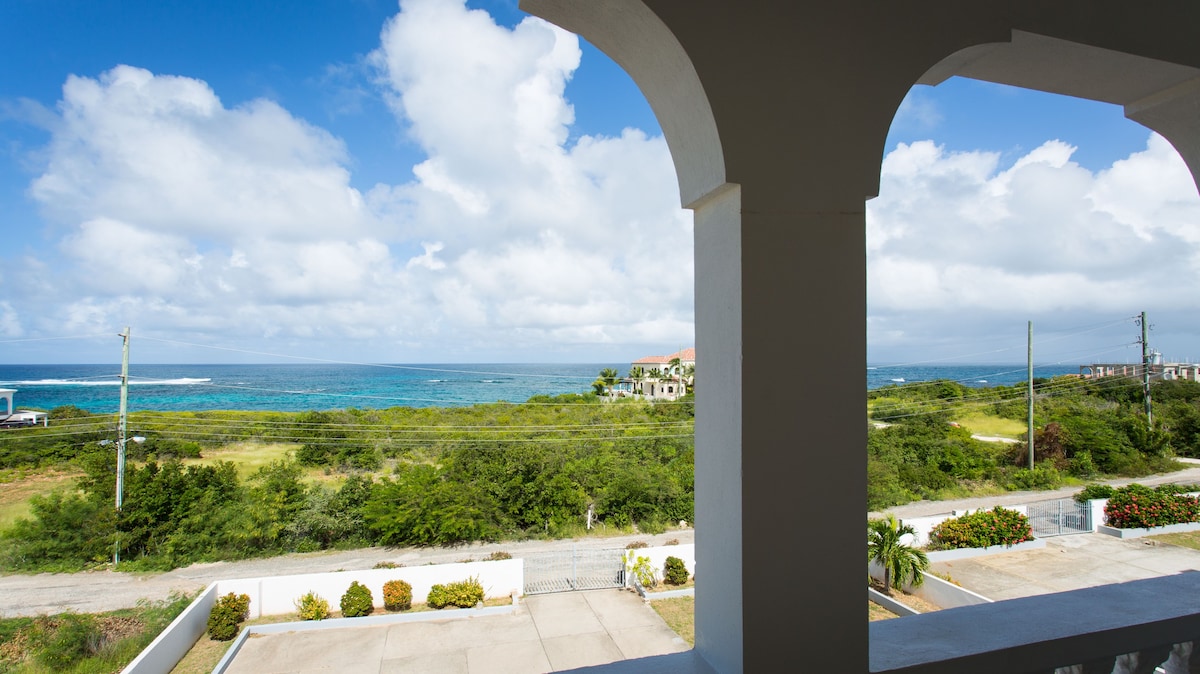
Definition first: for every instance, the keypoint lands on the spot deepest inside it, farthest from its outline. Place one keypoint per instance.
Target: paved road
(95, 591)
(1190, 475)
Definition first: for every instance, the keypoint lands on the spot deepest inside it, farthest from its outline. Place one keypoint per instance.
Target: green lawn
(987, 424)
(17, 488)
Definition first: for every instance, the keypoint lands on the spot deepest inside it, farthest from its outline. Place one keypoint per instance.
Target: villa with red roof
(659, 377)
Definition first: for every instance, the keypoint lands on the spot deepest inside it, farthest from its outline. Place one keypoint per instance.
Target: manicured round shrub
(985, 528)
(397, 595)
(674, 571)
(226, 615)
(1134, 506)
(312, 607)
(463, 594)
(357, 601)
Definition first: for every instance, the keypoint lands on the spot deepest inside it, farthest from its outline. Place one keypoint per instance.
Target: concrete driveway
(1068, 563)
(547, 633)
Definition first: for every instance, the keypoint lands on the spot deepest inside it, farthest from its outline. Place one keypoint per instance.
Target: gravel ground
(96, 591)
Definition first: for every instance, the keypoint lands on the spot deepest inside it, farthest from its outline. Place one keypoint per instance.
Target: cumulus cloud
(183, 213)
(958, 245)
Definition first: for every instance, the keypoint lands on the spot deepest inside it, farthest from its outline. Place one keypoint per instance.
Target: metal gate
(1060, 517)
(566, 570)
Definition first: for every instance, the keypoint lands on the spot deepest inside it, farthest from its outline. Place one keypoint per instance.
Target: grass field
(1186, 539)
(16, 488)
(248, 456)
(680, 615)
(987, 424)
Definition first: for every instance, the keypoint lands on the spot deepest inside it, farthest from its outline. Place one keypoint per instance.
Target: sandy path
(95, 591)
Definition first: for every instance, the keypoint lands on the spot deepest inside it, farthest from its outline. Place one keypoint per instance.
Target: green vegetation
(1136, 506)
(311, 606)
(1084, 430)
(674, 571)
(463, 594)
(227, 614)
(353, 478)
(357, 601)
(77, 642)
(397, 595)
(902, 564)
(981, 529)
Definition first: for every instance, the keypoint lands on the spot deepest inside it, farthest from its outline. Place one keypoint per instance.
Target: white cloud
(959, 247)
(184, 214)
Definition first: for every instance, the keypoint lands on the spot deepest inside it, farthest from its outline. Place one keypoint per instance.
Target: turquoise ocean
(324, 386)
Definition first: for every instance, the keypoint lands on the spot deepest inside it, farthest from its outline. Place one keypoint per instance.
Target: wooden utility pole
(1029, 395)
(1146, 371)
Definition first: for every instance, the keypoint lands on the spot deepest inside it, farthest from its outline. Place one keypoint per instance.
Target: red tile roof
(686, 355)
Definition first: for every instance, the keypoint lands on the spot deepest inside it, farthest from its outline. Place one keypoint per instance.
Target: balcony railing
(1138, 627)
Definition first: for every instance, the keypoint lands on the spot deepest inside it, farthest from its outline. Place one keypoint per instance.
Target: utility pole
(1146, 371)
(1029, 390)
(121, 429)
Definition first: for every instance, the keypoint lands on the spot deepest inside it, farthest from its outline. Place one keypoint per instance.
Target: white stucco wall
(277, 595)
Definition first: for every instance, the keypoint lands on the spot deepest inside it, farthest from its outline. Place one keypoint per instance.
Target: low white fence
(277, 595)
(169, 647)
(934, 590)
(658, 557)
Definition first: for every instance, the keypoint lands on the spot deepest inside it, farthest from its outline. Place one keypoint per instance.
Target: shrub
(981, 529)
(386, 565)
(498, 556)
(70, 638)
(1135, 505)
(645, 573)
(463, 594)
(312, 607)
(227, 614)
(674, 571)
(1094, 491)
(357, 601)
(636, 545)
(397, 595)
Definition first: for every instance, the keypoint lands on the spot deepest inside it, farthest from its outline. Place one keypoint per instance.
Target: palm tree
(637, 374)
(675, 369)
(609, 375)
(901, 563)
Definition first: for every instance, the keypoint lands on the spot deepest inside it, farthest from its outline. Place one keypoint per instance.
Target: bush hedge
(312, 607)
(674, 571)
(463, 594)
(1134, 506)
(227, 614)
(397, 595)
(981, 529)
(357, 601)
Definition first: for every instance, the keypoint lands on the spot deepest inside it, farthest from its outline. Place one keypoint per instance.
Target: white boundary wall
(658, 557)
(275, 595)
(935, 590)
(169, 647)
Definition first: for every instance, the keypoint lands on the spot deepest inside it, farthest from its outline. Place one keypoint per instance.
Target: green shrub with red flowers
(981, 529)
(1135, 506)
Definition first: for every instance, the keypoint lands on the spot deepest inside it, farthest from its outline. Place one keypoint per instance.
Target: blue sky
(429, 183)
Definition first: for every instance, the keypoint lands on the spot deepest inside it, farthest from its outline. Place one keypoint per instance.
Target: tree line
(1084, 429)
(400, 476)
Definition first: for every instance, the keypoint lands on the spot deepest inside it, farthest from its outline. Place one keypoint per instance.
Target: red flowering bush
(1134, 506)
(998, 526)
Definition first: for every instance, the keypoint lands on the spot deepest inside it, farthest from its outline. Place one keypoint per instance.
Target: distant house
(20, 417)
(1159, 370)
(672, 381)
